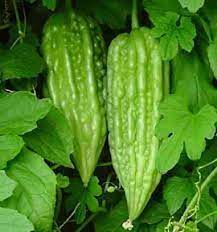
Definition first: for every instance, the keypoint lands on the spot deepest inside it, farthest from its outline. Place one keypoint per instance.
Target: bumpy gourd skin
(75, 54)
(135, 89)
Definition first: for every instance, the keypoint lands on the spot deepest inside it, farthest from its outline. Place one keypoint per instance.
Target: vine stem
(92, 216)
(69, 217)
(194, 199)
(104, 164)
(55, 166)
(135, 22)
(68, 4)
(107, 182)
(18, 20)
(5, 26)
(59, 202)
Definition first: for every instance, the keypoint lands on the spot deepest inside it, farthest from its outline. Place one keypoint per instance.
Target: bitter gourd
(75, 54)
(135, 88)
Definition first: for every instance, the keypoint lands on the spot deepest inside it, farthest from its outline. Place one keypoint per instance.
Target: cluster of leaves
(187, 38)
(34, 135)
(31, 130)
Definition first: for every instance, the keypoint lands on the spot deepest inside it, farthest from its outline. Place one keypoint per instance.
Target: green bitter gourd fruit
(75, 54)
(135, 77)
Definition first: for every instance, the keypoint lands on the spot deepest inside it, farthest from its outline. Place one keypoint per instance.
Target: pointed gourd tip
(127, 225)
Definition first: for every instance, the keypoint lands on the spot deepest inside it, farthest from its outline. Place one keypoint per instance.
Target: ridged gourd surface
(75, 54)
(135, 79)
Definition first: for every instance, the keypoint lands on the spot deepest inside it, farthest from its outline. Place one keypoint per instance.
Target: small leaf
(169, 46)
(186, 33)
(80, 214)
(176, 191)
(172, 35)
(10, 146)
(11, 220)
(20, 111)
(21, 62)
(7, 186)
(94, 187)
(192, 5)
(92, 203)
(85, 197)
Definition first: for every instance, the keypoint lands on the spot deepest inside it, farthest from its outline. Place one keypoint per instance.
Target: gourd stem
(135, 22)
(68, 4)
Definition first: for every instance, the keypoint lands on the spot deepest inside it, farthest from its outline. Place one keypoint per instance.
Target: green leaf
(155, 213)
(176, 191)
(186, 32)
(88, 199)
(179, 127)
(212, 55)
(191, 227)
(7, 186)
(20, 111)
(202, 227)
(62, 181)
(171, 34)
(93, 187)
(159, 7)
(113, 12)
(209, 10)
(207, 206)
(36, 190)
(52, 139)
(193, 5)
(50, 4)
(11, 220)
(74, 193)
(80, 214)
(169, 46)
(113, 220)
(10, 146)
(160, 227)
(193, 82)
(21, 62)
(85, 197)
(92, 202)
